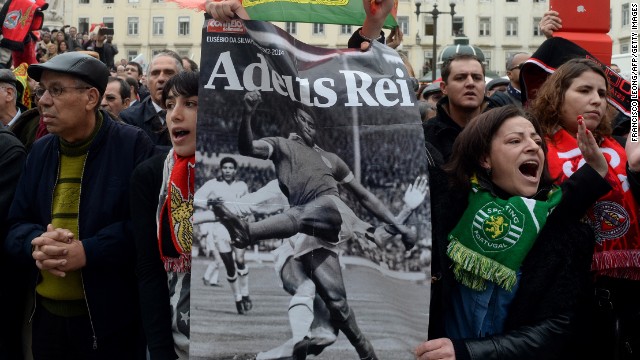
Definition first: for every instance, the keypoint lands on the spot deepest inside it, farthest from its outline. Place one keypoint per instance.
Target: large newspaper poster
(309, 156)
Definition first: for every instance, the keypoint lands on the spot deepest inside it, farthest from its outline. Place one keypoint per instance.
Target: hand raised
(590, 149)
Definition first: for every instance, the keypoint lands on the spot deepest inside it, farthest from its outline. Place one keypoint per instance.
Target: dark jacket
(554, 287)
(152, 278)
(441, 131)
(503, 98)
(107, 52)
(104, 219)
(26, 127)
(12, 157)
(142, 115)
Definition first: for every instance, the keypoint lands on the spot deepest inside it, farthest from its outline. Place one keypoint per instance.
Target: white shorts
(216, 235)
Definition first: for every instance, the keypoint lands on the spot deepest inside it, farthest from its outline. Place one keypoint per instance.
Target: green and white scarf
(494, 236)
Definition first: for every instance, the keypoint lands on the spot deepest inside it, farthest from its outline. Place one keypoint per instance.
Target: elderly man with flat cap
(9, 111)
(69, 220)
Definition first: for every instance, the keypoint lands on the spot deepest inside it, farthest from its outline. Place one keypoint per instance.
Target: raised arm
(380, 210)
(226, 10)
(549, 23)
(246, 144)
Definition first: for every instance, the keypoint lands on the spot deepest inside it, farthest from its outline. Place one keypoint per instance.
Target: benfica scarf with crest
(614, 217)
(176, 200)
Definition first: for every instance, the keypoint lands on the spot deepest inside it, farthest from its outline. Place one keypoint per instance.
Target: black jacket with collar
(141, 114)
(441, 131)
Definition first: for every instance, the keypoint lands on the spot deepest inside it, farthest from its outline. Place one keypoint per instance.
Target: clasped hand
(58, 252)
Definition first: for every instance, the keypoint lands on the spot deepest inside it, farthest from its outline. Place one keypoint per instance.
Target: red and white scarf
(176, 200)
(614, 217)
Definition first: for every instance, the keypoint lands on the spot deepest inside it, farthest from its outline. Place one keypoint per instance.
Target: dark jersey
(304, 172)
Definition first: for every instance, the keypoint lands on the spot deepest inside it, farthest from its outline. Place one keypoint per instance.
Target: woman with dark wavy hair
(511, 263)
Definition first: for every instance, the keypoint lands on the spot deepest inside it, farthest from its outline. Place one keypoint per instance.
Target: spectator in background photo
(117, 96)
(188, 64)
(497, 84)
(133, 86)
(149, 115)
(59, 36)
(72, 38)
(52, 50)
(512, 95)
(62, 47)
(432, 93)
(9, 111)
(46, 39)
(134, 70)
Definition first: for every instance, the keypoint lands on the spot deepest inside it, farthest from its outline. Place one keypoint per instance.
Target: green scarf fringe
(468, 263)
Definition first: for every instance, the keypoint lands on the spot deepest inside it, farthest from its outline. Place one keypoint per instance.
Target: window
(108, 22)
(625, 14)
(512, 27)
(83, 1)
(512, 0)
(131, 54)
(485, 26)
(428, 60)
(183, 25)
(345, 29)
(458, 26)
(536, 28)
(403, 23)
(318, 29)
(428, 25)
(132, 25)
(157, 1)
(624, 48)
(487, 58)
(158, 25)
(539, 1)
(83, 25)
(108, 1)
(291, 27)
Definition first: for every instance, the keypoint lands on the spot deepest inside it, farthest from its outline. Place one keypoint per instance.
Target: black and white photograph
(312, 220)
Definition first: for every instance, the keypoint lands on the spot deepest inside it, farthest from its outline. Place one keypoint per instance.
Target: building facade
(498, 27)
(141, 27)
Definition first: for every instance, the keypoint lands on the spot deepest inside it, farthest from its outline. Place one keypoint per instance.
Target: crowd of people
(99, 179)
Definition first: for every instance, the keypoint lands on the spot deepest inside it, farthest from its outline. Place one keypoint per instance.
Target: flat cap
(434, 87)
(7, 76)
(497, 81)
(83, 66)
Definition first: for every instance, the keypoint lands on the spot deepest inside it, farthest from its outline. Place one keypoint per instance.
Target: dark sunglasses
(519, 66)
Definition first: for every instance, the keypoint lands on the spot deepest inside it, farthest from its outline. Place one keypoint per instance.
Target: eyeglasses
(519, 66)
(56, 91)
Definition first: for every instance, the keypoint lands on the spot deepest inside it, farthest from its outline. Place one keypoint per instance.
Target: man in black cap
(497, 85)
(9, 112)
(69, 220)
(432, 93)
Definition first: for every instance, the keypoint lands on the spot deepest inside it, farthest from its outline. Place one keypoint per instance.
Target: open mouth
(530, 169)
(179, 134)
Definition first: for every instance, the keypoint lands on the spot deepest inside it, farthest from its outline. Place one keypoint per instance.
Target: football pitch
(392, 313)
